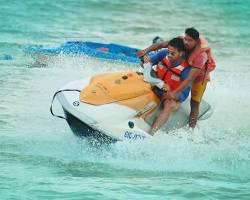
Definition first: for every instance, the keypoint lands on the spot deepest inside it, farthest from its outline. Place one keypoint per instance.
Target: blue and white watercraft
(110, 51)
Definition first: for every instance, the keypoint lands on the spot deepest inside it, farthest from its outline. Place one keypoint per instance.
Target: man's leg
(168, 107)
(198, 89)
(194, 114)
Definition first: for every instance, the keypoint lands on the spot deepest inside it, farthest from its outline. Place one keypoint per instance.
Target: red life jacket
(169, 74)
(203, 46)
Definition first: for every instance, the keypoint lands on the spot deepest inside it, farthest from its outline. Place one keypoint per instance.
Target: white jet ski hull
(113, 122)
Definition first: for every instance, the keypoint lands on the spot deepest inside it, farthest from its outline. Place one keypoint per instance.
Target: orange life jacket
(203, 46)
(169, 74)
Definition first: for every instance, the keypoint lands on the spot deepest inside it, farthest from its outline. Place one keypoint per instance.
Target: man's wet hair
(177, 43)
(193, 33)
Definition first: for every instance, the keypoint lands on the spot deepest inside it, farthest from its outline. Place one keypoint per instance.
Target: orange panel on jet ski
(114, 87)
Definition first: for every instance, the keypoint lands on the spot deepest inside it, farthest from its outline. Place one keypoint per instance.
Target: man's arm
(194, 72)
(197, 66)
(153, 47)
(192, 75)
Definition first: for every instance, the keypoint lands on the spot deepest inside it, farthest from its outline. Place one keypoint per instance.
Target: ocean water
(40, 158)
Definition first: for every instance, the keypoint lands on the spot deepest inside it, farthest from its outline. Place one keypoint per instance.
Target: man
(170, 72)
(201, 61)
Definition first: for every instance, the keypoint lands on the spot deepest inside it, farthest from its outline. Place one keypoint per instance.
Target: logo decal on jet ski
(133, 136)
(76, 103)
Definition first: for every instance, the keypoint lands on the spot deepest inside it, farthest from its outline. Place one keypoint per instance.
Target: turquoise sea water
(40, 158)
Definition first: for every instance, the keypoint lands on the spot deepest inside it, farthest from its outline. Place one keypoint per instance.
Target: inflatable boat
(110, 51)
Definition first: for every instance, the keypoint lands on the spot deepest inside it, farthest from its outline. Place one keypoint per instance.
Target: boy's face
(189, 42)
(173, 54)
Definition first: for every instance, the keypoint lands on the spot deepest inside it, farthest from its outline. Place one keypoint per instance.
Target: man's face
(173, 54)
(189, 42)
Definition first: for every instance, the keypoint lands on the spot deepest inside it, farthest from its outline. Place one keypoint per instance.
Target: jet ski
(112, 51)
(117, 106)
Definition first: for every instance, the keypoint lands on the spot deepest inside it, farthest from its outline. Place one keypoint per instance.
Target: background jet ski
(110, 51)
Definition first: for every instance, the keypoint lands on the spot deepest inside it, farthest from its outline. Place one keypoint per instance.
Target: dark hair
(193, 33)
(177, 43)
